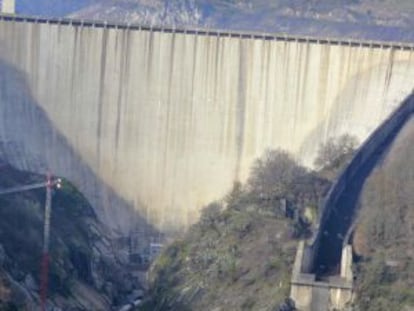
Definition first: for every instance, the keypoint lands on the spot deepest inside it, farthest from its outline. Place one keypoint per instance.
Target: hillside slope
(363, 19)
(240, 254)
(384, 238)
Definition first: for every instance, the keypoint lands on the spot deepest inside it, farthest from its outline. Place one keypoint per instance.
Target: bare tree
(336, 152)
(275, 174)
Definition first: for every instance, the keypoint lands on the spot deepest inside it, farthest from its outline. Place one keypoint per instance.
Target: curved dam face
(167, 121)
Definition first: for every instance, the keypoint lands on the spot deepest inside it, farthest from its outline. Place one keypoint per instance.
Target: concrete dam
(162, 121)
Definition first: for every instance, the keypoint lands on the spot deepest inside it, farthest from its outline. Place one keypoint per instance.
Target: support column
(346, 263)
(300, 288)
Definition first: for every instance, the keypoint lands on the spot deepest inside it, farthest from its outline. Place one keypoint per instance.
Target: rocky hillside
(384, 238)
(239, 256)
(85, 273)
(364, 19)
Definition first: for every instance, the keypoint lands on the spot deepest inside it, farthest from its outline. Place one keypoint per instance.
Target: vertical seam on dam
(193, 78)
(101, 95)
(170, 111)
(123, 75)
(389, 71)
(241, 109)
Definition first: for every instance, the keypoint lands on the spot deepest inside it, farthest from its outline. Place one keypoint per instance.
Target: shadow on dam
(342, 202)
(30, 141)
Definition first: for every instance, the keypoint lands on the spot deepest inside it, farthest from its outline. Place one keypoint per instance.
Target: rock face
(84, 272)
(164, 122)
(364, 19)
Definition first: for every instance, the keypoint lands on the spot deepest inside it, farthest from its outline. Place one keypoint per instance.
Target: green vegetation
(383, 240)
(384, 284)
(240, 254)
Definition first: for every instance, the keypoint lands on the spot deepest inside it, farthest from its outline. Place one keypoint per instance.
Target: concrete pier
(331, 293)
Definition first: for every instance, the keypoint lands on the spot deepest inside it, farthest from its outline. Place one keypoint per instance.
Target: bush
(210, 214)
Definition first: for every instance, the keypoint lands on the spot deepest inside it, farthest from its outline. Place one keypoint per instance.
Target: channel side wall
(375, 145)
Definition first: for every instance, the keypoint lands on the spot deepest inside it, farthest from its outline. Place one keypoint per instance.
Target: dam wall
(167, 119)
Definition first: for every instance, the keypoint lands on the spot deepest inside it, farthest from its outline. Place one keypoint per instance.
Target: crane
(49, 184)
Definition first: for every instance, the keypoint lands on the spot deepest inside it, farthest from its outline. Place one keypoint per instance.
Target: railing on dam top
(209, 32)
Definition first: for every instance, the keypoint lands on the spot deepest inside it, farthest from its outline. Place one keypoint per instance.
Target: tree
(210, 214)
(336, 153)
(275, 174)
(235, 194)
